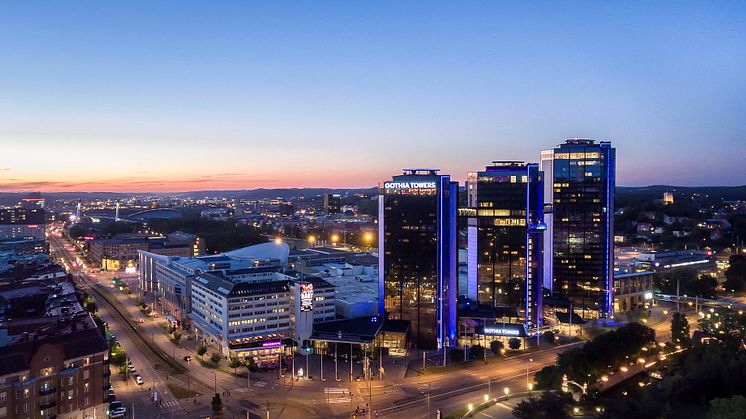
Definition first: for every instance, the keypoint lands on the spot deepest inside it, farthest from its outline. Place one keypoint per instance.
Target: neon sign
(409, 185)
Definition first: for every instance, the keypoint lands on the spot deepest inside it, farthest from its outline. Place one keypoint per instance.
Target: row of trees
(220, 236)
(689, 283)
(707, 380)
(589, 361)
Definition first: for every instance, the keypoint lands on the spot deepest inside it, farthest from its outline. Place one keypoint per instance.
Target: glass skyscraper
(582, 200)
(509, 228)
(417, 255)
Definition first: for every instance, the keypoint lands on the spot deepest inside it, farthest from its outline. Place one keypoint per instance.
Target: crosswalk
(170, 404)
(335, 395)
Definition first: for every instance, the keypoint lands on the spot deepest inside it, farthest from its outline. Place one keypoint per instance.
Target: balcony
(43, 391)
(47, 405)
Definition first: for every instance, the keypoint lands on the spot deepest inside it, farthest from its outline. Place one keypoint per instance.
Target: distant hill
(273, 193)
(706, 193)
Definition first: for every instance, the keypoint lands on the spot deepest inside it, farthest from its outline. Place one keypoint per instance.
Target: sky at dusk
(176, 95)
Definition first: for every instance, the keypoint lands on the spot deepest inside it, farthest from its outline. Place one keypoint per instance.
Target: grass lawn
(180, 392)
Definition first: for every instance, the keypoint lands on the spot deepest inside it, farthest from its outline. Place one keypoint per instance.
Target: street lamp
(506, 390)
(312, 239)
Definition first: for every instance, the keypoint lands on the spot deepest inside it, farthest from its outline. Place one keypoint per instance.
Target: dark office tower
(417, 254)
(509, 240)
(332, 203)
(583, 216)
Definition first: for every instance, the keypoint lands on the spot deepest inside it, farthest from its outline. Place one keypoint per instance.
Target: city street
(404, 392)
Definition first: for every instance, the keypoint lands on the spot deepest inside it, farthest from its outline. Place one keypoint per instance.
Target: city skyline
(152, 98)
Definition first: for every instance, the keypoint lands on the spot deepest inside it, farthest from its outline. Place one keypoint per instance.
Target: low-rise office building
(22, 223)
(633, 291)
(258, 319)
(122, 253)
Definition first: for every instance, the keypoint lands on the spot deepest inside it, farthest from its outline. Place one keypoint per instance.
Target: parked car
(141, 321)
(110, 394)
(139, 380)
(116, 410)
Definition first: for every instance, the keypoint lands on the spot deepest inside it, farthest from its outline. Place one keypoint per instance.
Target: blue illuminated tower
(417, 255)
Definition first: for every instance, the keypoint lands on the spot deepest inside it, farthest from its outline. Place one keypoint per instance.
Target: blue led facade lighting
(417, 255)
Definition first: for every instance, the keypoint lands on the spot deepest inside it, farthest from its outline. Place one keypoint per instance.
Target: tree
(728, 408)
(550, 406)
(549, 378)
(680, 328)
(704, 286)
(496, 346)
(215, 358)
(514, 343)
(234, 363)
(735, 275)
(177, 337)
(216, 403)
(201, 351)
(76, 231)
(251, 365)
(90, 304)
(118, 357)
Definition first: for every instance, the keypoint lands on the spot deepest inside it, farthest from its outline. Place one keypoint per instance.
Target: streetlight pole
(350, 362)
(527, 383)
(380, 363)
(336, 371)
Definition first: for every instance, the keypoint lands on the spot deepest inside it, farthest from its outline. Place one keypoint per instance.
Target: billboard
(306, 296)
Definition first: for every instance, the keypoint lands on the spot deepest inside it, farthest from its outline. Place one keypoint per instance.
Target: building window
(3, 412)
(86, 374)
(70, 394)
(26, 393)
(46, 371)
(86, 387)
(3, 396)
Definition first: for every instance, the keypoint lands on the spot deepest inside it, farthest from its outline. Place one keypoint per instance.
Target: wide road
(143, 357)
